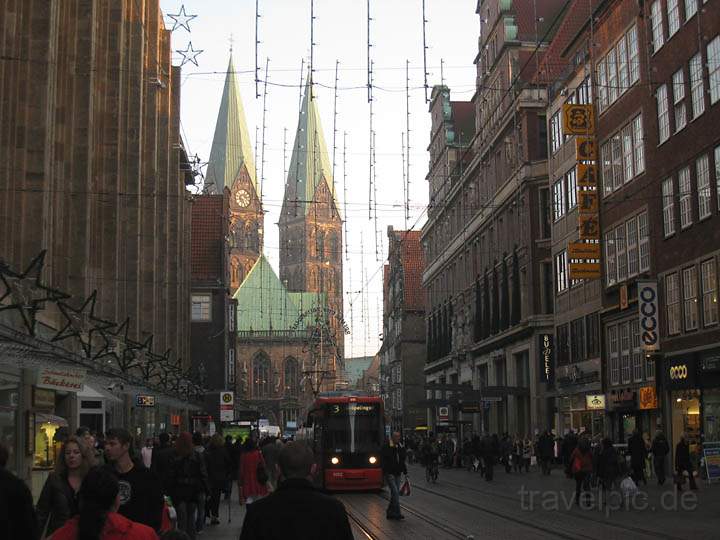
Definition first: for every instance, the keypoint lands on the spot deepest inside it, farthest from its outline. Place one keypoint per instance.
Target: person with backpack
(188, 482)
(581, 466)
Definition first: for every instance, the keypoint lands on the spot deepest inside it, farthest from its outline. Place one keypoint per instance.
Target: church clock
(242, 198)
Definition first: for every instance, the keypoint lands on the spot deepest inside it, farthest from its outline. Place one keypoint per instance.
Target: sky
(340, 34)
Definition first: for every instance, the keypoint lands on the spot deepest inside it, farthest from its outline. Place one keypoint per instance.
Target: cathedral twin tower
(310, 223)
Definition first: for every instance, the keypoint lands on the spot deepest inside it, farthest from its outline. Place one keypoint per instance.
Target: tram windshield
(353, 427)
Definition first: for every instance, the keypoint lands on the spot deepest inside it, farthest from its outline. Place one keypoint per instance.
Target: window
(602, 85)
(690, 9)
(261, 377)
(631, 244)
(638, 142)
(610, 260)
(556, 138)
(622, 61)
(702, 176)
(617, 166)
(685, 202)
(201, 307)
(678, 99)
(606, 164)
(592, 325)
(561, 271)
(643, 242)
(584, 92)
(696, 85)
(558, 199)
(621, 256)
(577, 340)
(649, 367)
(668, 207)
(713, 63)
(656, 25)
(673, 11)
(612, 77)
(562, 345)
(627, 148)
(663, 114)
(633, 55)
(571, 183)
(613, 353)
(637, 356)
(709, 292)
(625, 352)
(690, 300)
(292, 379)
(672, 303)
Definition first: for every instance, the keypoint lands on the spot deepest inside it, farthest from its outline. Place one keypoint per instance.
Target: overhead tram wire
(407, 142)
(264, 126)
(335, 115)
(345, 196)
(257, 42)
(425, 48)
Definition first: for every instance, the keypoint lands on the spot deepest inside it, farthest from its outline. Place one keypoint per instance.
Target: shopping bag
(405, 487)
(533, 461)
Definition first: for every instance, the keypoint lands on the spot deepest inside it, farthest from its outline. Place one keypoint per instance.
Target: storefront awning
(97, 392)
(45, 418)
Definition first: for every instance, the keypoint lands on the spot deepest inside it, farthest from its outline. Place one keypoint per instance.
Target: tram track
(512, 517)
(367, 533)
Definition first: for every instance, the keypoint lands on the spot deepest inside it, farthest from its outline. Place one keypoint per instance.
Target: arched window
(292, 380)
(261, 377)
(332, 242)
(321, 246)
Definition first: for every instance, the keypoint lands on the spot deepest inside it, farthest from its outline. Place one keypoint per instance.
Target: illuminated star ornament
(189, 54)
(81, 323)
(181, 19)
(25, 293)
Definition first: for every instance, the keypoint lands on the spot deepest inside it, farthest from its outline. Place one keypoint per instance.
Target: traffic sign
(227, 406)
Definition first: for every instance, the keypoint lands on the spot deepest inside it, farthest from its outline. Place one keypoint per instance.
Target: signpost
(227, 406)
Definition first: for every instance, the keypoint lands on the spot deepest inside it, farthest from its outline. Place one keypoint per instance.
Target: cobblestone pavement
(520, 506)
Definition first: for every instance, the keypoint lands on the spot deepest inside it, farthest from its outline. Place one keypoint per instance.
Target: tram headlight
(372, 460)
(334, 460)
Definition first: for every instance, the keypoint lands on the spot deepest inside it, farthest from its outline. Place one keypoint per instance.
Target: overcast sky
(340, 34)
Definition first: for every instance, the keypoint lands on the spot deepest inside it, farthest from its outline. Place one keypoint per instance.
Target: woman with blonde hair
(59, 497)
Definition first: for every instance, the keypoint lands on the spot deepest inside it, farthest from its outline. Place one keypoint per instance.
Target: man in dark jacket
(393, 465)
(162, 457)
(638, 453)
(17, 516)
(660, 449)
(546, 451)
(683, 463)
(296, 509)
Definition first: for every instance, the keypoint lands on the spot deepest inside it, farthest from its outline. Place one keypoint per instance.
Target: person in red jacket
(98, 518)
(581, 465)
(252, 463)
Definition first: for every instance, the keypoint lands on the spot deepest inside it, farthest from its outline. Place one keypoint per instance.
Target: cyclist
(431, 453)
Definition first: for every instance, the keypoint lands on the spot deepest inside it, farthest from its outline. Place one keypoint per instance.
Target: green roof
(355, 367)
(231, 143)
(265, 305)
(310, 162)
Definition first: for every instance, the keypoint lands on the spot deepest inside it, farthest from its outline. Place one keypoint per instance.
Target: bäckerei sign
(61, 378)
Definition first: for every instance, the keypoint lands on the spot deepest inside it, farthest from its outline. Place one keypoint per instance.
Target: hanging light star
(81, 323)
(189, 54)
(182, 19)
(136, 354)
(25, 293)
(115, 342)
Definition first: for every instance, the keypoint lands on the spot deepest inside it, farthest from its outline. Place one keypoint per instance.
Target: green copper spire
(310, 163)
(231, 143)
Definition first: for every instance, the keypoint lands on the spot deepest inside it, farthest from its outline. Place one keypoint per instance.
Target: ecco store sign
(678, 372)
(648, 313)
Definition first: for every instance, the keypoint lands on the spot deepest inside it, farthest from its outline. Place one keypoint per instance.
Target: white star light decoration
(182, 19)
(189, 54)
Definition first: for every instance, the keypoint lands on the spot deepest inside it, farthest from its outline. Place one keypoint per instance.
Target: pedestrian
(218, 467)
(252, 473)
(141, 497)
(638, 451)
(393, 465)
(270, 451)
(568, 445)
(527, 453)
(660, 449)
(517, 450)
(58, 500)
(90, 440)
(99, 518)
(683, 464)
(146, 453)
(188, 482)
(161, 460)
(232, 471)
(199, 447)
(17, 515)
(490, 451)
(608, 467)
(581, 467)
(505, 452)
(296, 509)
(546, 450)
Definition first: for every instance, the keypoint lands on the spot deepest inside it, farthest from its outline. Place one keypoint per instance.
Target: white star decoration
(189, 54)
(182, 19)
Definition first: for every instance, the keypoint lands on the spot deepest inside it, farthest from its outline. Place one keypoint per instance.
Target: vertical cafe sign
(648, 313)
(547, 374)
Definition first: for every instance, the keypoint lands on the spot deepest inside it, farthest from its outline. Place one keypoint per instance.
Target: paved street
(463, 505)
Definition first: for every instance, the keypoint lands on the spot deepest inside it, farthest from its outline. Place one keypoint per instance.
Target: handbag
(405, 487)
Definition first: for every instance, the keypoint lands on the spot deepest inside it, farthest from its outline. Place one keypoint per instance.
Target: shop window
(711, 414)
(708, 278)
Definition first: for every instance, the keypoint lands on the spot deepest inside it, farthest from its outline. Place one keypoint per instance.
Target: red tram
(346, 431)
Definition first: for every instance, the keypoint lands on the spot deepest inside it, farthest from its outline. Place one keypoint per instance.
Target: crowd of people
(171, 488)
